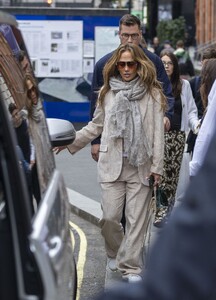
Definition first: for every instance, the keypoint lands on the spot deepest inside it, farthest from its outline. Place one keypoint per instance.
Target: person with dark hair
(129, 115)
(208, 77)
(157, 47)
(185, 117)
(130, 31)
(167, 45)
(195, 83)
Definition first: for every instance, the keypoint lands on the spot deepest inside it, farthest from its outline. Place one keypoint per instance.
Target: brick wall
(205, 23)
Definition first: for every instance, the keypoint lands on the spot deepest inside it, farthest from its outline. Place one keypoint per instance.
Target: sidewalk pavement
(90, 210)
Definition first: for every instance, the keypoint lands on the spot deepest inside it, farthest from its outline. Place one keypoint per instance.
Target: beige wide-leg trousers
(128, 247)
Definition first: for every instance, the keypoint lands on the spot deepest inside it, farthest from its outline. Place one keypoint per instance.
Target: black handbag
(191, 139)
(161, 199)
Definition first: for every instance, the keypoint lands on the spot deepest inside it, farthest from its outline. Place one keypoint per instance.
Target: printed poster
(55, 47)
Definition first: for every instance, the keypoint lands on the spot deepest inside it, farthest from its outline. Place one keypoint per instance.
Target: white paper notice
(88, 48)
(88, 65)
(56, 47)
(106, 40)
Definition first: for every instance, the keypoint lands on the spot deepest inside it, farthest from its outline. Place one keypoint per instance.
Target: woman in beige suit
(129, 116)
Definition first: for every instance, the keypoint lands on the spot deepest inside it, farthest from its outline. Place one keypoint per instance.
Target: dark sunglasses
(129, 64)
(29, 92)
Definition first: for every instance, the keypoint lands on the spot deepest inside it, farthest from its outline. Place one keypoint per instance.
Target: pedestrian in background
(156, 46)
(130, 31)
(185, 64)
(185, 117)
(129, 115)
(208, 76)
(195, 82)
(167, 45)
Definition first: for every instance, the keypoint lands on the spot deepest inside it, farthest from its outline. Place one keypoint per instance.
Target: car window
(20, 93)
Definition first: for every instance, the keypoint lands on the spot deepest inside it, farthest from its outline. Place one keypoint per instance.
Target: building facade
(205, 23)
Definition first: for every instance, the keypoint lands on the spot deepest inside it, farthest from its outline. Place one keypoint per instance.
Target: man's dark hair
(130, 20)
(208, 53)
(11, 107)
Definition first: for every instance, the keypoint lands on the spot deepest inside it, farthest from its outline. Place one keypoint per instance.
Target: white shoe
(132, 278)
(111, 262)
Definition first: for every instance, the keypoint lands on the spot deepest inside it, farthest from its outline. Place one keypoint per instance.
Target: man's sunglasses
(129, 64)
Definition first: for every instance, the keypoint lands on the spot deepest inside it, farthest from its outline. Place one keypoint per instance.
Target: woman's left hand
(166, 124)
(156, 179)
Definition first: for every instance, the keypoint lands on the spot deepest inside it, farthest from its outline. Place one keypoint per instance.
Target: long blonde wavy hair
(145, 70)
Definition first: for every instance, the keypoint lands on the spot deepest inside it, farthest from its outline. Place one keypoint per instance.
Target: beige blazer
(111, 150)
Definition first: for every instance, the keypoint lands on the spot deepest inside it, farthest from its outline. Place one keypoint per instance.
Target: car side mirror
(62, 132)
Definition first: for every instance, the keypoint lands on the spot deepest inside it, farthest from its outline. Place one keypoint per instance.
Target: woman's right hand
(95, 151)
(56, 150)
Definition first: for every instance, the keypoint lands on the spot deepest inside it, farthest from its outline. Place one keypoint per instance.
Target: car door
(34, 207)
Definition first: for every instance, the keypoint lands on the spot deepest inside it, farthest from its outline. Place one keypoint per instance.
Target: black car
(36, 253)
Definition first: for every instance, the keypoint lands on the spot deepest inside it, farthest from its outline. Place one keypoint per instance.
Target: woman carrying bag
(129, 116)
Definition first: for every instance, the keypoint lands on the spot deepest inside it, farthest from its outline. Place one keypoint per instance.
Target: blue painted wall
(89, 22)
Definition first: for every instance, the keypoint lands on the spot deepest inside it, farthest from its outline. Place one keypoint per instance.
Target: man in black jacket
(130, 32)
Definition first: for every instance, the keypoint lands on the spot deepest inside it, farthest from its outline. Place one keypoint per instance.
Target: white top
(189, 109)
(205, 133)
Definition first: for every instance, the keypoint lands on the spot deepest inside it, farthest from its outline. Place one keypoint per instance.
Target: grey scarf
(126, 119)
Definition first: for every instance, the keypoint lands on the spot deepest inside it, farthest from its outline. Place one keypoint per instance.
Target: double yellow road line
(81, 256)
